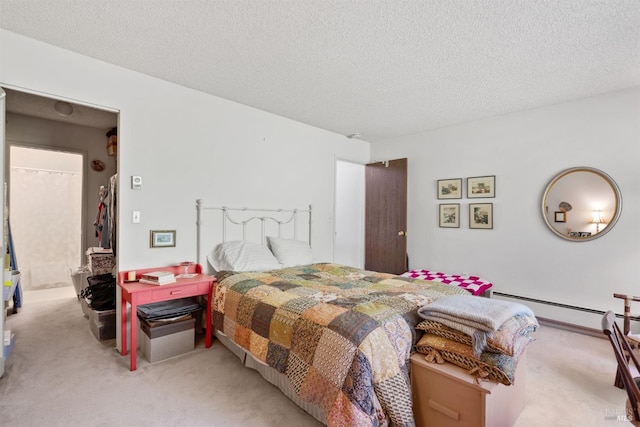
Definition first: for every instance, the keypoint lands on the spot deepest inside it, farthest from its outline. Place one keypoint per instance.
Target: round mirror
(581, 204)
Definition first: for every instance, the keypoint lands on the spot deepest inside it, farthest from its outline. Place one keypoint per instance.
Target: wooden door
(386, 216)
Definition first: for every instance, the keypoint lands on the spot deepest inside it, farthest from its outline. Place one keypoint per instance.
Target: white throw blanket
(475, 316)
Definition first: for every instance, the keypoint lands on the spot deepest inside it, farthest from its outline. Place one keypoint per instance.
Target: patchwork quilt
(342, 336)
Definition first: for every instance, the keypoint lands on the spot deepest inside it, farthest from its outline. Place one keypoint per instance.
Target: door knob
(401, 233)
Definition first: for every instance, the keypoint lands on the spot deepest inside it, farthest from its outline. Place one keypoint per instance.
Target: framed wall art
(163, 238)
(450, 215)
(450, 188)
(481, 186)
(481, 215)
(560, 216)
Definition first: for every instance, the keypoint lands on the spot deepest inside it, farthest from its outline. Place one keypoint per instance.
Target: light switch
(136, 183)
(135, 217)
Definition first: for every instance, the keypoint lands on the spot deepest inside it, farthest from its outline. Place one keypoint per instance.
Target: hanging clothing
(113, 212)
(105, 223)
(100, 218)
(105, 237)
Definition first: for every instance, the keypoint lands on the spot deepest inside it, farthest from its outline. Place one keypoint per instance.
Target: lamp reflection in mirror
(597, 219)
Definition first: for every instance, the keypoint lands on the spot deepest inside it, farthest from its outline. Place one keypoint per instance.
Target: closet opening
(46, 216)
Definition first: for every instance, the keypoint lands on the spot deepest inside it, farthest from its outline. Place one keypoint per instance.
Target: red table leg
(123, 325)
(134, 338)
(208, 326)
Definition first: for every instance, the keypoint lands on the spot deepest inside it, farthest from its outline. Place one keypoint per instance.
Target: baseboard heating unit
(565, 316)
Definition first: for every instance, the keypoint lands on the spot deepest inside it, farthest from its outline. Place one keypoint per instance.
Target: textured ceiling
(44, 108)
(380, 68)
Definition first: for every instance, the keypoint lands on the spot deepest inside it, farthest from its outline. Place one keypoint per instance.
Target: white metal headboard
(262, 215)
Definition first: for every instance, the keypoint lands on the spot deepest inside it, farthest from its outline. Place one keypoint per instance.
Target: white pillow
(240, 255)
(290, 252)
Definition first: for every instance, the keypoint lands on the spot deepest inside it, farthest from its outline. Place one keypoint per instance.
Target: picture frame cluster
(480, 214)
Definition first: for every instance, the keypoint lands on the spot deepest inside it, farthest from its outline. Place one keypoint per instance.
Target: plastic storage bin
(102, 323)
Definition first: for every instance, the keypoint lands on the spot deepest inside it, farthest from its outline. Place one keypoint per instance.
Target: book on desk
(158, 278)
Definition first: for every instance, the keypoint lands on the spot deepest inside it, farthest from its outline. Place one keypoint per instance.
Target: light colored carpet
(60, 375)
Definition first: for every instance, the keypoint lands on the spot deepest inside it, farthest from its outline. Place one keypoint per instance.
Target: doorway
(45, 212)
(348, 237)
(82, 132)
(371, 215)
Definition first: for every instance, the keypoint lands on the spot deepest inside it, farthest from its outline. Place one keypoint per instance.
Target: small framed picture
(481, 215)
(450, 188)
(450, 215)
(163, 238)
(481, 186)
(560, 216)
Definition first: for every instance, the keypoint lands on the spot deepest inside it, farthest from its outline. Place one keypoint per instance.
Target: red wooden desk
(136, 293)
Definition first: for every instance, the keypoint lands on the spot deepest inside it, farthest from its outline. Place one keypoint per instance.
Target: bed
(337, 340)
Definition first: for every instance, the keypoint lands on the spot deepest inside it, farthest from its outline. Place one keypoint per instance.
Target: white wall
(187, 145)
(525, 150)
